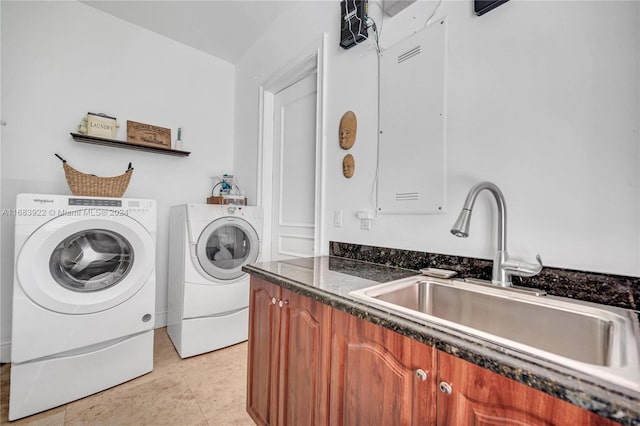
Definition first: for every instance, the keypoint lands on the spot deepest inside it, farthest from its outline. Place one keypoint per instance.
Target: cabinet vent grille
(407, 196)
(408, 54)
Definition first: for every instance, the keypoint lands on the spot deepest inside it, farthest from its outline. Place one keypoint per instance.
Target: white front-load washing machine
(83, 297)
(208, 294)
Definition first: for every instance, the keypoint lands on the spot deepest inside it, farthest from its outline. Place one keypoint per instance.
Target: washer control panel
(94, 202)
(122, 206)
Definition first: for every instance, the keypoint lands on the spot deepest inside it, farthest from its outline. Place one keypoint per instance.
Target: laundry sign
(99, 125)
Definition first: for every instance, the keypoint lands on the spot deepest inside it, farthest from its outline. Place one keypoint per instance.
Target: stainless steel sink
(582, 337)
(586, 336)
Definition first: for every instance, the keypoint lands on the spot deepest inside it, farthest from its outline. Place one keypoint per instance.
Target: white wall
(543, 100)
(63, 59)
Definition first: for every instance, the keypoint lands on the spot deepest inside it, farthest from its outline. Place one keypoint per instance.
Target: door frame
(300, 67)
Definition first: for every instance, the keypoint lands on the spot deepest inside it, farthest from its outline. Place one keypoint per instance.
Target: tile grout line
(194, 397)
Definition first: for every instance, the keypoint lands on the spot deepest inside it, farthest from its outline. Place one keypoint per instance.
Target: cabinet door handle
(274, 301)
(445, 388)
(421, 374)
(283, 302)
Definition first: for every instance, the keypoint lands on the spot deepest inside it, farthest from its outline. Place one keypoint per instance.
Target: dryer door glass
(91, 260)
(225, 246)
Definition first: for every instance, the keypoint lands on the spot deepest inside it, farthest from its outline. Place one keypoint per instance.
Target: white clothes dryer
(208, 291)
(83, 297)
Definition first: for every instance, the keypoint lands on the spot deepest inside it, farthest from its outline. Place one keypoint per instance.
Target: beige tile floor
(204, 390)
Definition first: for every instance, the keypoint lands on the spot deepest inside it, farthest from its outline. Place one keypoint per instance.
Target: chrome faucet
(503, 267)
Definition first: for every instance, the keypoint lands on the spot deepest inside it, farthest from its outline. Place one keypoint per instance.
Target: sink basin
(589, 337)
(582, 336)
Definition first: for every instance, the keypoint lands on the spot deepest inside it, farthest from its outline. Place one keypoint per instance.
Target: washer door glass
(85, 263)
(225, 245)
(91, 260)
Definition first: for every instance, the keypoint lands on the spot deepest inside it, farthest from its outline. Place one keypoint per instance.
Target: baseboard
(5, 351)
(161, 319)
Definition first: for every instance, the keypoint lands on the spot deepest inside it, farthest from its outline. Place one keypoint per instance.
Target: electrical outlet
(365, 219)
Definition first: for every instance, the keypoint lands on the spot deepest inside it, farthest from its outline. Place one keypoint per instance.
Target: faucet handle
(523, 269)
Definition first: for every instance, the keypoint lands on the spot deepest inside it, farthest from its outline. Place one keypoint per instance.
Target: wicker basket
(94, 186)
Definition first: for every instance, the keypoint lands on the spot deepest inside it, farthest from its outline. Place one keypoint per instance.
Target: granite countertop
(329, 280)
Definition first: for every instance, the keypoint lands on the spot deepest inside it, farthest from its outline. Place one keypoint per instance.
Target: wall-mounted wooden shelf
(78, 137)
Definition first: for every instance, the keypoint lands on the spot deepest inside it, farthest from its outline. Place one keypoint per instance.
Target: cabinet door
(304, 361)
(481, 397)
(263, 351)
(377, 376)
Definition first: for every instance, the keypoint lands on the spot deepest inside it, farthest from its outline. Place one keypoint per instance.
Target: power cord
(433, 14)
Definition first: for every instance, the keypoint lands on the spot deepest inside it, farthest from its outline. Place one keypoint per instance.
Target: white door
(294, 170)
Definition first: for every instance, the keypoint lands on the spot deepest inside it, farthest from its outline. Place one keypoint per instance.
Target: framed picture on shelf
(149, 135)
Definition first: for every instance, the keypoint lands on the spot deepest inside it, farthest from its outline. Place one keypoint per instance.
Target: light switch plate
(337, 218)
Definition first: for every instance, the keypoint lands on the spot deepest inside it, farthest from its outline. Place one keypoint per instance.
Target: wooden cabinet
(379, 377)
(288, 358)
(262, 359)
(481, 397)
(310, 364)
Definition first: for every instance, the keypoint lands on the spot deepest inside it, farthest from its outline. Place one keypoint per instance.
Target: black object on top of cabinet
(354, 22)
(483, 6)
